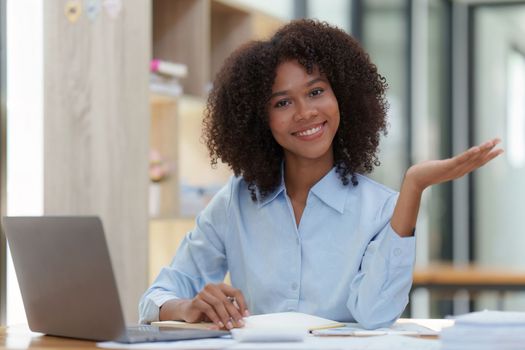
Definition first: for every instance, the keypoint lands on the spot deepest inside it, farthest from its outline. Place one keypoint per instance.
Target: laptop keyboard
(142, 329)
(148, 333)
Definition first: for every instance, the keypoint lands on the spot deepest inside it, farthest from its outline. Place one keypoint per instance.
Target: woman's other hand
(425, 174)
(422, 175)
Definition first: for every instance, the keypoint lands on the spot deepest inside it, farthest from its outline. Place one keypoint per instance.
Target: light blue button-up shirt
(343, 262)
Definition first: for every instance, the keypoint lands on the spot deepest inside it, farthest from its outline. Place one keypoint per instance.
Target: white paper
(282, 320)
(399, 328)
(386, 342)
(268, 335)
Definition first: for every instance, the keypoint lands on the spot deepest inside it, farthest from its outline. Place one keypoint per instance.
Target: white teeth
(309, 131)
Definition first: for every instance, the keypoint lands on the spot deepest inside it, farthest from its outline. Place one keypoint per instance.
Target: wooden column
(96, 130)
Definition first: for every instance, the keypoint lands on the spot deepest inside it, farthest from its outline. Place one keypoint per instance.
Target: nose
(305, 110)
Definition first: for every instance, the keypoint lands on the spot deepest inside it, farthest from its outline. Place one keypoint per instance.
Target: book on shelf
(165, 75)
(171, 69)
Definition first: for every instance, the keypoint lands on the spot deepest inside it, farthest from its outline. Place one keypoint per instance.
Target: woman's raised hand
(425, 174)
(433, 172)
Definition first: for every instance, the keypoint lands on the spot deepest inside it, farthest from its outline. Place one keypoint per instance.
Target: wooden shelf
(203, 33)
(181, 31)
(163, 131)
(230, 27)
(194, 167)
(165, 237)
(176, 126)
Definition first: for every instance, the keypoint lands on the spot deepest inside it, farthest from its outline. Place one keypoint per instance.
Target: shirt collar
(271, 196)
(329, 189)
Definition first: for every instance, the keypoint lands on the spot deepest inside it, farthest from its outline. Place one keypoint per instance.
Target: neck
(300, 175)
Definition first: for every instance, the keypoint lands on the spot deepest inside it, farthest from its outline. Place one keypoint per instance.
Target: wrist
(412, 184)
(173, 310)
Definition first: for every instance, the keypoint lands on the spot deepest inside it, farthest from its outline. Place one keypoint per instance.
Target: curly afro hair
(236, 128)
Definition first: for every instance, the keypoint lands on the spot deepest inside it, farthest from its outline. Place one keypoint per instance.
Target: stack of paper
(486, 330)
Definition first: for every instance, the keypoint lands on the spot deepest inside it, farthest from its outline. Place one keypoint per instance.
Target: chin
(314, 154)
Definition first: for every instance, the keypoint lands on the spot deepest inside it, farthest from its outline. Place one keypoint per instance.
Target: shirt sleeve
(200, 259)
(379, 292)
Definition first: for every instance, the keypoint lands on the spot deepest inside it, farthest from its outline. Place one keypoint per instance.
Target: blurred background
(102, 106)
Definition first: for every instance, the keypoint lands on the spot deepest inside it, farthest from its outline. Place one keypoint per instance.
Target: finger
(487, 147)
(212, 325)
(473, 158)
(487, 155)
(239, 298)
(243, 307)
(496, 141)
(476, 152)
(208, 310)
(493, 154)
(464, 168)
(481, 161)
(234, 317)
(466, 156)
(218, 305)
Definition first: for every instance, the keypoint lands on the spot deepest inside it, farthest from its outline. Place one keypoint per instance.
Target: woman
(298, 118)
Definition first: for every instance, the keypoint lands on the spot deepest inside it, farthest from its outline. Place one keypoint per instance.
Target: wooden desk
(469, 277)
(19, 337)
(448, 279)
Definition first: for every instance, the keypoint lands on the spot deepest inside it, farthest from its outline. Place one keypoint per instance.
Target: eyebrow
(310, 83)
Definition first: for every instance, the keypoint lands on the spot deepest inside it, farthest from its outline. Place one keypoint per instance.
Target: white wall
(25, 125)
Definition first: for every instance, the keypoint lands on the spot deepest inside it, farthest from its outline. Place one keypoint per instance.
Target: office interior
(88, 129)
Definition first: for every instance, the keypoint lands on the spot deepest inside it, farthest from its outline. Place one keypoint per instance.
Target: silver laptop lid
(65, 276)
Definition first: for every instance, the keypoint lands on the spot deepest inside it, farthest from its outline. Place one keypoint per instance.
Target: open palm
(433, 172)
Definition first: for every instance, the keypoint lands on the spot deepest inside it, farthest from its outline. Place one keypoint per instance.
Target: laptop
(67, 282)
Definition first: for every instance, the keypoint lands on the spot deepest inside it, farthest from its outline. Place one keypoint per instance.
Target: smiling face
(303, 113)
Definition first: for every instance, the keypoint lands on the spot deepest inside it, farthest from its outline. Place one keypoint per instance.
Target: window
(516, 108)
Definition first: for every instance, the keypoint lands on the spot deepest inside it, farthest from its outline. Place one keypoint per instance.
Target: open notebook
(281, 320)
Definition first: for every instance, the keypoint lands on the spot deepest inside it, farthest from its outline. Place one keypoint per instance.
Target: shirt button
(297, 241)
(397, 252)
(294, 286)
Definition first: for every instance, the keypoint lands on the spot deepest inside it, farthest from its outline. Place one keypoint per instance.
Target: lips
(311, 131)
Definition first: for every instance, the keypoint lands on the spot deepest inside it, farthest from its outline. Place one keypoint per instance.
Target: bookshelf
(163, 129)
(200, 34)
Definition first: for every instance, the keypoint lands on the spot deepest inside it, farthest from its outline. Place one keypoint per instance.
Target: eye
(316, 92)
(281, 104)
